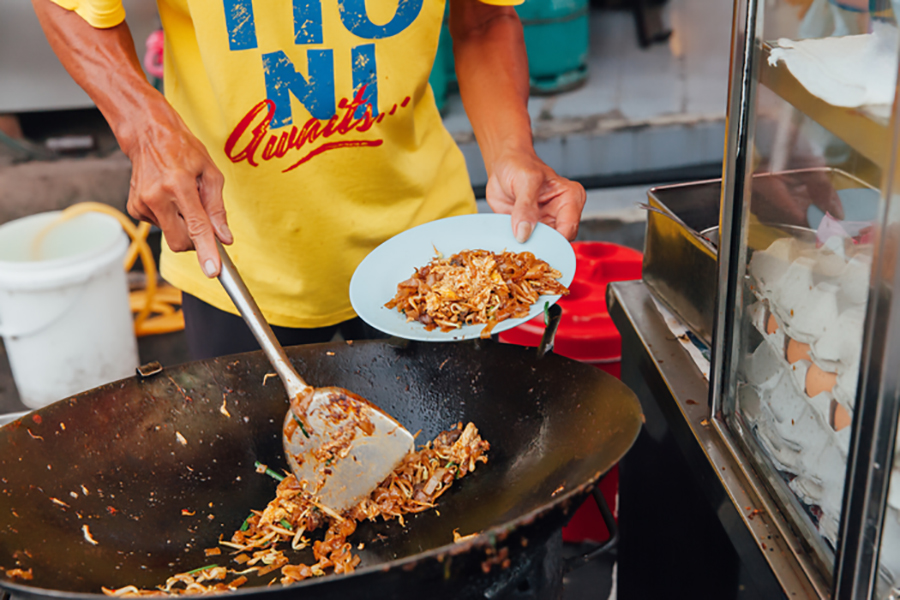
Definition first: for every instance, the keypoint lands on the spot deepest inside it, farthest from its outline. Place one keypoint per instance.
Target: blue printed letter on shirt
(308, 22)
(357, 21)
(239, 21)
(315, 93)
(365, 73)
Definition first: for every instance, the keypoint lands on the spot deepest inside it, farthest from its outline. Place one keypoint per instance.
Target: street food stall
(763, 338)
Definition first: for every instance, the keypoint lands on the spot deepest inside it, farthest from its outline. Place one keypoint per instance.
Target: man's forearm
(174, 182)
(104, 63)
(492, 70)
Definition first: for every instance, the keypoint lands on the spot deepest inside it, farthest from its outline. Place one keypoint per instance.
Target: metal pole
(871, 454)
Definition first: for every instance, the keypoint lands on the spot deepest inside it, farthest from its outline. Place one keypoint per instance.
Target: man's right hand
(176, 186)
(785, 198)
(174, 182)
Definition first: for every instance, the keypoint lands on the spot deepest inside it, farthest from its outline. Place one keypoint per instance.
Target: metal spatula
(339, 443)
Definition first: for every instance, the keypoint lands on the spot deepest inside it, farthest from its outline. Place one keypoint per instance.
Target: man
(312, 123)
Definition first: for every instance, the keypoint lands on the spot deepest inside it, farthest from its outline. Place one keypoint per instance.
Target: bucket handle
(9, 331)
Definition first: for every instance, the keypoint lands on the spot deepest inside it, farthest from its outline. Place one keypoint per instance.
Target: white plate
(375, 281)
(10, 417)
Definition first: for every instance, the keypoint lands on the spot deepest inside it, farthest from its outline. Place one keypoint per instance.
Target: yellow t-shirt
(320, 116)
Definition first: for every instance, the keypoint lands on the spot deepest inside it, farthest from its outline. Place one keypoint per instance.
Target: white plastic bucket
(64, 314)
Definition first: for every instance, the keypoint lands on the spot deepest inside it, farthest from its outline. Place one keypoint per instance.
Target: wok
(158, 467)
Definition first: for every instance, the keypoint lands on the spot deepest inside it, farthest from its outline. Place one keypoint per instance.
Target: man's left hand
(523, 186)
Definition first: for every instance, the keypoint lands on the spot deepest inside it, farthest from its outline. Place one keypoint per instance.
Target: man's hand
(492, 71)
(176, 186)
(785, 198)
(525, 187)
(174, 182)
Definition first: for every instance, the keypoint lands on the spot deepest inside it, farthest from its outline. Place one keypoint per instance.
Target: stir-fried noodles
(475, 287)
(289, 519)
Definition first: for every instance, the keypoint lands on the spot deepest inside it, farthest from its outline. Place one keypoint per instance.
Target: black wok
(155, 469)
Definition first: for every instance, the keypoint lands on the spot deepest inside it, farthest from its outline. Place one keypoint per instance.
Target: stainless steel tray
(680, 263)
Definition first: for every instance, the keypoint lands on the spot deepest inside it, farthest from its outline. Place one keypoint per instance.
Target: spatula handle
(233, 283)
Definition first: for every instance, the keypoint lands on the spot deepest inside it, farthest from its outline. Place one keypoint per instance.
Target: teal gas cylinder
(440, 73)
(443, 72)
(556, 38)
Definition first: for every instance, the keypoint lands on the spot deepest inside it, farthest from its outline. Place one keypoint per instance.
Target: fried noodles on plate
(475, 287)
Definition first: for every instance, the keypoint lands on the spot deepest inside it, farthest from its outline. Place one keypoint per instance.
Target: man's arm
(492, 70)
(174, 182)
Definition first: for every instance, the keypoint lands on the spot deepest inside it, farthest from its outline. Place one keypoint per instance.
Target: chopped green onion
(286, 524)
(546, 313)
(201, 569)
(270, 472)
(246, 524)
(300, 423)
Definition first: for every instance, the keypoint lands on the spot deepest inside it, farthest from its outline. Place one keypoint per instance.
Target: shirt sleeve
(101, 14)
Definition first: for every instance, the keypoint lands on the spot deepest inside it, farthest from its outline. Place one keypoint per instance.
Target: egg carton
(794, 431)
(816, 300)
(813, 468)
(822, 380)
(782, 384)
(816, 296)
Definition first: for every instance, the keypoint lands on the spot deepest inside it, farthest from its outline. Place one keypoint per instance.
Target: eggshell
(818, 381)
(801, 381)
(763, 368)
(841, 342)
(796, 351)
(771, 324)
(768, 266)
(854, 280)
(795, 283)
(840, 418)
(829, 264)
(806, 311)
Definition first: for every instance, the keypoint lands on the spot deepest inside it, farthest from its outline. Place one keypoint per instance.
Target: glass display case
(806, 344)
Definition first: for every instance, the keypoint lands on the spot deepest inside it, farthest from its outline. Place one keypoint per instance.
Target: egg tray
(680, 264)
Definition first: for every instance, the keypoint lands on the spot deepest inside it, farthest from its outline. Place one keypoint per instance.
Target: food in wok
(259, 545)
(475, 287)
